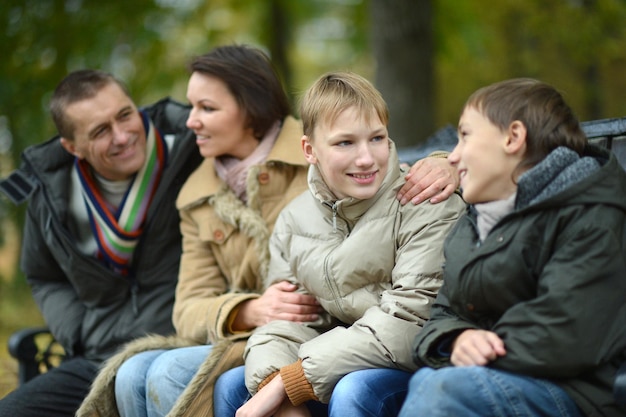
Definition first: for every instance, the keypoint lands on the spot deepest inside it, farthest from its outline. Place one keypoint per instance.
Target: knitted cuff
(267, 380)
(297, 387)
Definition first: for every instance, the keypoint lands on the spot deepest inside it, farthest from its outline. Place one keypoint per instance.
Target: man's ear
(70, 147)
(307, 148)
(516, 138)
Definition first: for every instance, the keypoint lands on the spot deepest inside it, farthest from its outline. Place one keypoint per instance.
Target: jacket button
(500, 239)
(470, 307)
(264, 178)
(218, 235)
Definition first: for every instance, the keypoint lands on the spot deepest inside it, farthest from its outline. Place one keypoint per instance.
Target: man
(101, 243)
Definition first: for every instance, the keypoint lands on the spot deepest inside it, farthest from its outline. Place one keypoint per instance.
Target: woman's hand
(433, 178)
(476, 347)
(279, 302)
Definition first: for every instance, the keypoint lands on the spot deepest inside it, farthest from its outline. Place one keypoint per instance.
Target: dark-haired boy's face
(108, 133)
(352, 154)
(485, 167)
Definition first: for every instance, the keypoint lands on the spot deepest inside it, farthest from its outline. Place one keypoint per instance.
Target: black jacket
(90, 309)
(549, 279)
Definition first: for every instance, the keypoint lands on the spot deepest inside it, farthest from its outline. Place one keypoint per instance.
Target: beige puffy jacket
(374, 265)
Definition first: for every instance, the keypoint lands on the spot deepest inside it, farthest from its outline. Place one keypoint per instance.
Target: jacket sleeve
(203, 300)
(276, 344)
(383, 337)
(56, 298)
(576, 321)
(272, 347)
(432, 345)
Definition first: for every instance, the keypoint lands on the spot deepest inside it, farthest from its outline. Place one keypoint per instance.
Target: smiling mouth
(126, 150)
(363, 176)
(202, 138)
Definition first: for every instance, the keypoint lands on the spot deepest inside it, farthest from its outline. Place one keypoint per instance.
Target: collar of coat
(556, 172)
(204, 182)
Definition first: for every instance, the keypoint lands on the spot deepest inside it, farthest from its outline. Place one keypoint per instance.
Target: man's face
(108, 133)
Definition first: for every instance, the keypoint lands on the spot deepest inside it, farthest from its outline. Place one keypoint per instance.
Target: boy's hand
(476, 347)
(266, 402)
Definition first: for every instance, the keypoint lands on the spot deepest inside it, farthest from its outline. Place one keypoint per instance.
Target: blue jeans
(149, 383)
(478, 391)
(371, 392)
(229, 393)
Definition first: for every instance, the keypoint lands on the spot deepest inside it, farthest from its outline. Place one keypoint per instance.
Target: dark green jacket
(90, 309)
(549, 279)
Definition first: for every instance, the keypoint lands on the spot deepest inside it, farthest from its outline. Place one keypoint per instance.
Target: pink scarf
(234, 172)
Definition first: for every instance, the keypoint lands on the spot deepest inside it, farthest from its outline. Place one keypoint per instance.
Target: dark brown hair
(76, 86)
(251, 79)
(548, 119)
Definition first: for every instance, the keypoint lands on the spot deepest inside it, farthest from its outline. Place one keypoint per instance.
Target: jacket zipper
(327, 275)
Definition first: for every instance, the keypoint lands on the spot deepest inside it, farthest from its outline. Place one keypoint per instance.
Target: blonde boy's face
(351, 153)
(485, 158)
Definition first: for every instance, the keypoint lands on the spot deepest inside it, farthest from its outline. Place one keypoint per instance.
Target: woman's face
(352, 154)
(483, 159)
(217, 119)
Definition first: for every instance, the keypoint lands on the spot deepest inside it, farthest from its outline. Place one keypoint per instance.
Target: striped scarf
(117, 231)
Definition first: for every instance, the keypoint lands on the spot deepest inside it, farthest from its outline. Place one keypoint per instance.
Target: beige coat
(225, 243)
(224, 262)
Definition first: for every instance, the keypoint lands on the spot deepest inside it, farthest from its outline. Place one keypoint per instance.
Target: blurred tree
(401, 33)
(579, 46)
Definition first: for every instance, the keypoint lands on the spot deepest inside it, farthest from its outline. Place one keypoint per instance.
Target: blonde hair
(335, 92)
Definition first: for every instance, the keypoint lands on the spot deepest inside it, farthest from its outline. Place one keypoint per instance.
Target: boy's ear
(307, 148)
(69, 146)
(516, 138)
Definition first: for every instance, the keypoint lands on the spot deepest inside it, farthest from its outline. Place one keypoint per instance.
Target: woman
(530, 320)
(253, 167)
